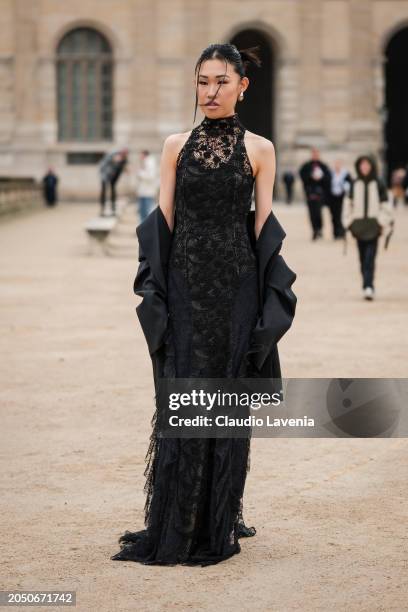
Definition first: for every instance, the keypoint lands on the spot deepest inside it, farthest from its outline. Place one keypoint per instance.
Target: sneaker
(368, 293)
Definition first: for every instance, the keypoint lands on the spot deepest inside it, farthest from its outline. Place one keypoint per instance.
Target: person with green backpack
(367, 214)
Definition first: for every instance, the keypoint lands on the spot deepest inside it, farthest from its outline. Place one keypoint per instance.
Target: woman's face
(365, 167)
(211, 81)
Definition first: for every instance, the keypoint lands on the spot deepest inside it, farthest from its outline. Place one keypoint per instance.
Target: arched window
(84, 86)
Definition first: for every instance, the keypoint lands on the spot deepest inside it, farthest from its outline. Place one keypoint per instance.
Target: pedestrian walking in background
(50, 182)
(110, 169)
(367, 213)
(340, 184)
(288, 179)
(147, 183)
(316, 179)
(397, 185)
(405, 185)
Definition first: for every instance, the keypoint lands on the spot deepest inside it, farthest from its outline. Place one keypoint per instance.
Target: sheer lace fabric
(194, 487)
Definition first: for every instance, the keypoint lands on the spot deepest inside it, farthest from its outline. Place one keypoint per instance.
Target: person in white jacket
(147, 183)
(367, 214)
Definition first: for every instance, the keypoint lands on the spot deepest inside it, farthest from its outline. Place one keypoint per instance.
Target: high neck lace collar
(221, 124)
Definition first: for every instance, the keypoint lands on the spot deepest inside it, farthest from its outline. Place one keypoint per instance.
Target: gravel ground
(77, 398)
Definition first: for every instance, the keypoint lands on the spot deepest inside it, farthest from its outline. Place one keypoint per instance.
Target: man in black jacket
(316, 180)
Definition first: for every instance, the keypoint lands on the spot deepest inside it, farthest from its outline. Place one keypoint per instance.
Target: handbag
(366, 228)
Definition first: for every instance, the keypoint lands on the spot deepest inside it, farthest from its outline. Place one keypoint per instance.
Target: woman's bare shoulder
(259, 142)
(257, 147)
(175, 142)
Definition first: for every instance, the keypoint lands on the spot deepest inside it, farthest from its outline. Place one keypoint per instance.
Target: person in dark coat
(367, 214)
(316, 179)
(340, 184)
(288, 179)
(50, 182)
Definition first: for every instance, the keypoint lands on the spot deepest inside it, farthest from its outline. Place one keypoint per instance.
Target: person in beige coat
(147, 183)
(367, 214)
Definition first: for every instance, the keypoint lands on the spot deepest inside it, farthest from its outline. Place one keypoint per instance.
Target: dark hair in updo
(239, 59)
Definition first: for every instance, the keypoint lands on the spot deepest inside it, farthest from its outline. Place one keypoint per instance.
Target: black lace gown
(193, 512)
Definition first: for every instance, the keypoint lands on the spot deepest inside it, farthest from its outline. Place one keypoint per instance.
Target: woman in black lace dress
(216, 299)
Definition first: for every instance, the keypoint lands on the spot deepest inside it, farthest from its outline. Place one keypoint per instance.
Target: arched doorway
(396, 101)
(257, 110)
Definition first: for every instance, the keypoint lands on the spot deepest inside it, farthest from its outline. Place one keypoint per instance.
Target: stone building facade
(323, 81)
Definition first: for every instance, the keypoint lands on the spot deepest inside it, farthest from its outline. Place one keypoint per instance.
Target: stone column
(142, 74)
(310, 126)
(7, 66)
(170, 45)
(47, 94)
(26, 85)
(287, 113)
(365, 124)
